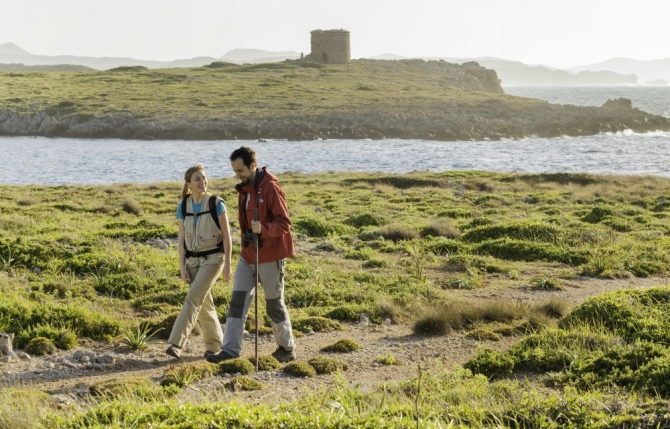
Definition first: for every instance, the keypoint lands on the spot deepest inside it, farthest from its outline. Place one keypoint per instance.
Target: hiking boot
(174, 351)
(209, 353)
(219, 357)
(283, 355)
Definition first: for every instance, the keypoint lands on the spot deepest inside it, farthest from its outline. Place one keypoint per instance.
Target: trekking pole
(256, 295)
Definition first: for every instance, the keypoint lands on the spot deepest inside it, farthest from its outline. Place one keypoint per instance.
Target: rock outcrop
(493, 119)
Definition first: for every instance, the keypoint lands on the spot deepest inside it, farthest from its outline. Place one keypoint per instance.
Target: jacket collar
(247, 188)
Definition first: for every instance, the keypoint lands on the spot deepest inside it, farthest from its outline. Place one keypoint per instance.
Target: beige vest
(203, 236)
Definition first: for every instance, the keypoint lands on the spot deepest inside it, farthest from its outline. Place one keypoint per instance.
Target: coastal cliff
(300, 101)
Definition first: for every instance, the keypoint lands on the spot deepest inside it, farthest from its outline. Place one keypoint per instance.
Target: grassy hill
(365, 99)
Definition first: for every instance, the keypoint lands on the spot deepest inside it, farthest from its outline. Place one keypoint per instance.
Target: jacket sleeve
(275, 201)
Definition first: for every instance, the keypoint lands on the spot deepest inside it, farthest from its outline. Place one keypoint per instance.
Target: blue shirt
(197, 208)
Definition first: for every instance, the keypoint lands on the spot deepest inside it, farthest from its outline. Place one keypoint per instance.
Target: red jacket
(276, 241)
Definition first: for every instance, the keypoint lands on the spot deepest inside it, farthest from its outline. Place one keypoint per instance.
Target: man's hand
(256, 226)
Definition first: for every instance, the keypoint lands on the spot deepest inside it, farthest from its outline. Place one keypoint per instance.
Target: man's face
(244, 173)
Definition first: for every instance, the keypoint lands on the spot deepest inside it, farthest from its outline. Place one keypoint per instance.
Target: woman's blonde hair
(185, 192)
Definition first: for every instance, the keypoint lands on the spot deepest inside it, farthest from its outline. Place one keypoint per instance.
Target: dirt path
(58, 373)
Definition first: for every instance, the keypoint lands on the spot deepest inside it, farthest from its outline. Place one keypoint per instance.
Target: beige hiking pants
(199, 305)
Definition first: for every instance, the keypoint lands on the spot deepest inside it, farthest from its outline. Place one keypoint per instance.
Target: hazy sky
(559, 32)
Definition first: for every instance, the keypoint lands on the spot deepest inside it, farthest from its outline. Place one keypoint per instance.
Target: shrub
(344, 345)
(317, 324)
(398, 232)
(434, 322)
(554, 307)
(363, 254)
(531, 231)
(40, 346)
(62, 338)
(375, 263)
(131, 206)
(183, 376)
(316, 227)
(235, 366)
(598, 214)
(490, 363)
(632, 314)
(484, 334)
(134, 387)
(455, 213)
(370, 234)
(440, 228)
(140, 337)
(265, 363)
(389, 359)
(365, 219)
(326, 365)
(544, 282)
(245, 384)
(516, 250)
(27, 201)
(299, 369)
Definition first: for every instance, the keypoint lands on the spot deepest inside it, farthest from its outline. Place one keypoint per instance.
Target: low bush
(317, 324)
(365, 219)
(344, 345)
(141, 388)
(490, 363)
(325, 365)
(62, 338)
(317, 227)
(389, 359)
(517, 250)
(299, 369)
(440, 228)
(531, 231)
(236, 366)
(484, 334)
(265, 363)
(40, 346)
(131, 206)
(398, 232)
(244, 384)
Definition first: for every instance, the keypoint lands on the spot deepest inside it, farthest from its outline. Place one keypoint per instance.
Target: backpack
(211, 211)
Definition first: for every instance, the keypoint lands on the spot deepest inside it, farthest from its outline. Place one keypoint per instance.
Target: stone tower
(331, 46)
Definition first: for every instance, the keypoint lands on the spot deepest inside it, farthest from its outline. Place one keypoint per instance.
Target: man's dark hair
(246, 153)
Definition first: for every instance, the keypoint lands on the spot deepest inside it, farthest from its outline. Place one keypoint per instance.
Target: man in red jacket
(259, 189)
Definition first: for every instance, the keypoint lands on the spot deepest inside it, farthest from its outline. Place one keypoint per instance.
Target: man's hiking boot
(283, 355)
(209, 353)
(219, 357)
(174, 351)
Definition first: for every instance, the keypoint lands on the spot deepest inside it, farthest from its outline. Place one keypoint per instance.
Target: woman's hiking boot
(283, 355)
(174, 351)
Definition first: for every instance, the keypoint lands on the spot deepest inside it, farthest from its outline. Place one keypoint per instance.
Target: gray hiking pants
(271, 276)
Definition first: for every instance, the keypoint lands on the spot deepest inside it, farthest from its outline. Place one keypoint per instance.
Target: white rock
(387, 321)
(23, 355)
(85, 359)
(364, 320)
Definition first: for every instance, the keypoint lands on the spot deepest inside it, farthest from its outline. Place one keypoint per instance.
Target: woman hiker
(204, 253)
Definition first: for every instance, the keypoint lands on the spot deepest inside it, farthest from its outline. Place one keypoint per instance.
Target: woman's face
(198, 183)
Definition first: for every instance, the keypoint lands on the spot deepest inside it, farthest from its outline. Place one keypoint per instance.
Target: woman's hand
(227, 273)
(184, 275)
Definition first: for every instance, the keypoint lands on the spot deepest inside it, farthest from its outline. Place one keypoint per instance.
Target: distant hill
(645, 70)
(253, 56)
(518, 73)
(12, 49)
(12, 54)
(59, 67)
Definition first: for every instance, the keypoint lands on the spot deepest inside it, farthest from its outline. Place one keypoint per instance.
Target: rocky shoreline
(493, 119)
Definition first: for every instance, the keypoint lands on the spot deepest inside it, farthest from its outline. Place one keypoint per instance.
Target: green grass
(96, 277)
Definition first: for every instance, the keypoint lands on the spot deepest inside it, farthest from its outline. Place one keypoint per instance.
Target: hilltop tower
(330, 47)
